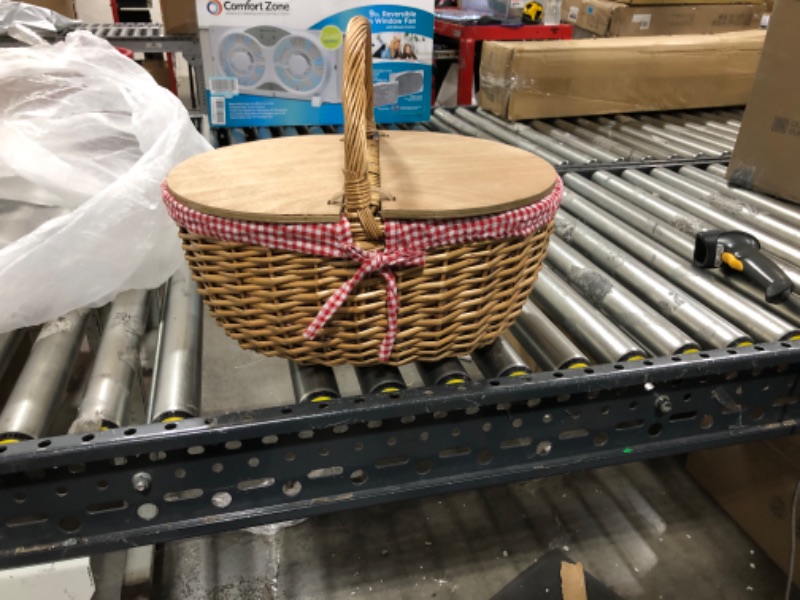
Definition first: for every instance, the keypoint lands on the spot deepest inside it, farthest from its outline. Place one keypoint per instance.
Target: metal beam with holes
(73, 496)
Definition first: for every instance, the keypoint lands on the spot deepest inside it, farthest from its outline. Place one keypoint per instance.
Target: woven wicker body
(458, 298)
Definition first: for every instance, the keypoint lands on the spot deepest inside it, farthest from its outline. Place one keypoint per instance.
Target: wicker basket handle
(362, 177)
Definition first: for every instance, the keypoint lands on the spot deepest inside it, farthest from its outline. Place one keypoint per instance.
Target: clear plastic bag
(86, 137)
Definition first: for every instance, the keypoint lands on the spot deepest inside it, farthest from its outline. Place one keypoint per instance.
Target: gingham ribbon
(406, 245)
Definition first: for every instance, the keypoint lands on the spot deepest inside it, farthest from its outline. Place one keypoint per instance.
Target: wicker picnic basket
(365, 289)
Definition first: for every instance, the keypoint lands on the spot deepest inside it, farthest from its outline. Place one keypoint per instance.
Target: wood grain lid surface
(299, 179)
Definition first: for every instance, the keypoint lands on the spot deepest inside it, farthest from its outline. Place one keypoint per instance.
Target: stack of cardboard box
(622, 18)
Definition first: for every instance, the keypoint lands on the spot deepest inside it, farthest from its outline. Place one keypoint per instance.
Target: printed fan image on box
(270, 61)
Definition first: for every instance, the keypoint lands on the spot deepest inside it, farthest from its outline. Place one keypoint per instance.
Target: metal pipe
(381, 379)
(459, 125)
(750, 316)
(545, 342)
(602, 339)
(670, 194)
(712, 123)
(753, 201)
(659, 336)
(509, 137)
(313, 383)
(176, 385)
(718, 170)
(39, 387)
(499, 359)
(9, 342)
(573, 140)
(692, 316)
(626, 152)
(105, 401)
(728, 205)
(556, 147)
(647, 147)
(448, 371)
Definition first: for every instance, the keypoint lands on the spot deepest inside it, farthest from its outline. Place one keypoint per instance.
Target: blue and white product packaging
(273, 63)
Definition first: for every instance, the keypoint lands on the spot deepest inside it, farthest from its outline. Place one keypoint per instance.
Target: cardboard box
(63, 7)
(281, 63)
(159, 70)
(754, 483)
(179, 16)
(614, 19)
(534, 80)
(660, 2)
(765, 157)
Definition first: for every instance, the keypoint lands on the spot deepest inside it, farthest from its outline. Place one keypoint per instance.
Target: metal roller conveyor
(658, 335)
(692, 316)
(649, 148)
(708, 147)
(602, 339)
(380, 379)
(440, 125)
(571, 140)
(105, 401)
(697, 125)
(313, 383)
(653, 205)
(768, 241)
(9, 342)
(39, 387)
(558, 148)
(499, 359)
(544, 342)
(679, 149)
(459, 125)
(679, 242)
(628, 153)
(750, 316)
(448, 371)
(696, 134)
(504, 134)
(176, 385)
(753, 201)
(731, 206)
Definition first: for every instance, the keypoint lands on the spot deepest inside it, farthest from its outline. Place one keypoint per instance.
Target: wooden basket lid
(299, 179)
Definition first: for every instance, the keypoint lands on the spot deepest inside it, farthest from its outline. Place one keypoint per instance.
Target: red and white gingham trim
(406, 244)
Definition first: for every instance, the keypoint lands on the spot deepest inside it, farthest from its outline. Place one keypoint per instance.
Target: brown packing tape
(573, 581)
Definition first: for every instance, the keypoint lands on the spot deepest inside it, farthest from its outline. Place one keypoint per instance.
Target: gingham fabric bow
(406, 244)
(379, 261)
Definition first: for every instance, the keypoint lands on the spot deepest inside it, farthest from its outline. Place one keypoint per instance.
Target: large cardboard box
(754, 483)
(766, 153)
(614, 19)
(534, 80)
(659, 2)
(64, 7)
(179, 16)
(281, 63)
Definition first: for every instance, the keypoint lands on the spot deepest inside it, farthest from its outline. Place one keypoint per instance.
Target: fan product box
(274, 63)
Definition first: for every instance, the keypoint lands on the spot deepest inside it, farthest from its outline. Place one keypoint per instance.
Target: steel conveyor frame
(77, 495)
